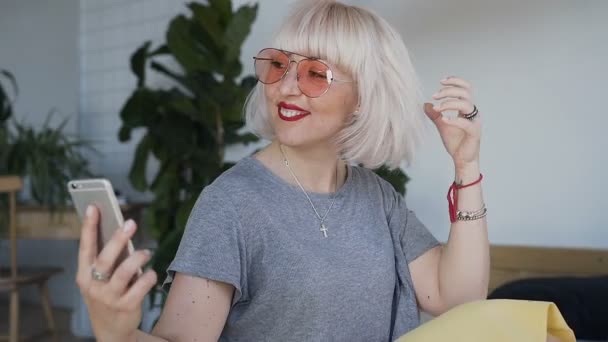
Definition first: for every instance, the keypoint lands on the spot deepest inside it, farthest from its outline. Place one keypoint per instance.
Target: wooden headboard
(517, 262)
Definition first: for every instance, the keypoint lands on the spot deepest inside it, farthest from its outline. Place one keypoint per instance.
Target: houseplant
(188, 126)
(48, 158)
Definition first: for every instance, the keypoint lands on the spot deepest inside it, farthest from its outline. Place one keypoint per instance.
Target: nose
(289, 83)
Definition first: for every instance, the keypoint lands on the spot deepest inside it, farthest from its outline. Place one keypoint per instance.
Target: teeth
(290, 112)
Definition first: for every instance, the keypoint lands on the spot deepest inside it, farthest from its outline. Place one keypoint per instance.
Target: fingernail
(436, 108)
(129, 226)
(436, 94)
(89, 211)
(148, 252)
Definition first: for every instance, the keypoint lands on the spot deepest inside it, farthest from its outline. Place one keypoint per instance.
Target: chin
(302, 141)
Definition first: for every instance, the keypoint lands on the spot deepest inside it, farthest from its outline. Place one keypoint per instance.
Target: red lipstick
(290, 106)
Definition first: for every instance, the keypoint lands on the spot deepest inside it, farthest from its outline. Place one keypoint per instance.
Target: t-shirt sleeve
(415, 238)
(211, 246)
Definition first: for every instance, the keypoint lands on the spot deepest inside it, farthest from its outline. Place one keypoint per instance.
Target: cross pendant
(324, 229)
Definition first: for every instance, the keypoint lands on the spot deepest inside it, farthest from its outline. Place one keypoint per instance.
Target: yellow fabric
(497, 320)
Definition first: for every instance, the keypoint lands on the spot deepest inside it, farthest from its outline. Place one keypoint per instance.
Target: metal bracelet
(471, 215)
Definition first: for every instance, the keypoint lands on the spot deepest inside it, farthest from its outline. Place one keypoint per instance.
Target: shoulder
(372, 181)
(234, 185)
(237, 176)
(377, 186)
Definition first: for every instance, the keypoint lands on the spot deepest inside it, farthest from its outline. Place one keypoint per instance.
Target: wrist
(467, 173)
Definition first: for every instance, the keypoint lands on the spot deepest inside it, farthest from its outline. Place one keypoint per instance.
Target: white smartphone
(99, 192)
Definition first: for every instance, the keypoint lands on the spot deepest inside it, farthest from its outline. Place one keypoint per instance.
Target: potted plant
(47, 158)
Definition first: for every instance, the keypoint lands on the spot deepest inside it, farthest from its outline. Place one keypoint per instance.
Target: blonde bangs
(325, 30)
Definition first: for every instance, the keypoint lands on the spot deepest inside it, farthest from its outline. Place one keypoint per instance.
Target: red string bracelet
(453, 196)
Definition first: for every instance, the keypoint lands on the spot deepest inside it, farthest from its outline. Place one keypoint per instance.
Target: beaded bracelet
(471, 215)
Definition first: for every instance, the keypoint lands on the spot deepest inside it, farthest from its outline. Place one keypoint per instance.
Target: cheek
(351, 100)
(267, 92)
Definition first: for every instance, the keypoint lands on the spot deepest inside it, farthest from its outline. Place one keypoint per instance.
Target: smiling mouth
(289, 114)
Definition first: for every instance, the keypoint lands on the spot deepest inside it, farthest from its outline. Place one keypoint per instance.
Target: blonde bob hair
(386, 128)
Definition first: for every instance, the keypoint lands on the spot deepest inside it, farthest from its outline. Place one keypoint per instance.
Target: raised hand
(461, 137)
(112, 293)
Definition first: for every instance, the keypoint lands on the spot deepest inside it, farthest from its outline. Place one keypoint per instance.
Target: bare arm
(196, 310)
(457, 272)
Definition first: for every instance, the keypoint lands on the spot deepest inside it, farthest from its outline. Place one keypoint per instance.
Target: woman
(297, 242)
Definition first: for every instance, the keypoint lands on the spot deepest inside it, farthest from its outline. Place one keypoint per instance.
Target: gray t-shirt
(253, 230)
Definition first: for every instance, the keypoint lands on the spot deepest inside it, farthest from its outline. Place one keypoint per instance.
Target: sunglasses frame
(330, 78)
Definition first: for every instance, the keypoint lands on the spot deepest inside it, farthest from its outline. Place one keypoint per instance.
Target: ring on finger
(472, 114)
(100, 276)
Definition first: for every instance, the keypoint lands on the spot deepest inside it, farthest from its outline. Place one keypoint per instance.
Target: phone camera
(75, 186)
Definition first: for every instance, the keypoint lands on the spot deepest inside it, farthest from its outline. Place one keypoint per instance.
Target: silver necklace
(322, 228)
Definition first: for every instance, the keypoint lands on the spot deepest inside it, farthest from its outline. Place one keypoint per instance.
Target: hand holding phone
(109, 271)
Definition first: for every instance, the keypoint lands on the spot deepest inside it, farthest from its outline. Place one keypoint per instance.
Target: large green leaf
(139, 109)
(185, 106)
(209, 21)
(224, 10)
(137, 174)
(183, 45)
(238, 29)
(171, 74)
(138, 63)
(167, 180)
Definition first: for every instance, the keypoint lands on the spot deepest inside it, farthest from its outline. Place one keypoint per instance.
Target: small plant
(49, 158)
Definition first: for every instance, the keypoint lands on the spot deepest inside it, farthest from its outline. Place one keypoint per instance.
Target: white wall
(39, 45)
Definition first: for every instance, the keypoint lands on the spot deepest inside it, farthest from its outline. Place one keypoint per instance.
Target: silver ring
(100, 276)
(472, 114)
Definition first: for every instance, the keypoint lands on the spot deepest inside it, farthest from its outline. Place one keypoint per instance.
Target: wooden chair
(14, 278)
